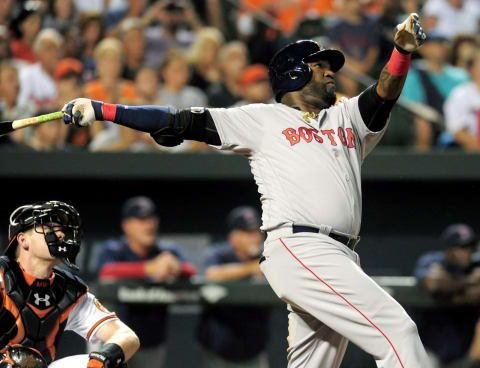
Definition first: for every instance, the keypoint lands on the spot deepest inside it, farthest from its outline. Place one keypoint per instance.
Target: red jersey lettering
(341, 135)
(306, 134)
(352, 142)
(329, 133)
(291, 135)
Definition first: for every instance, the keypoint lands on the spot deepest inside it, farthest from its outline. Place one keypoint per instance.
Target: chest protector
(36, 315)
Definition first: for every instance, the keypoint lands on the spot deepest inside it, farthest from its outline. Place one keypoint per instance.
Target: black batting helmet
(288, 70)
(48, 214)
(18, 356)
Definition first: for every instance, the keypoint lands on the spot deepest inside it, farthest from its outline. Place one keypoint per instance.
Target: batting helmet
(49, 215)
(18, 356)
(288, 70)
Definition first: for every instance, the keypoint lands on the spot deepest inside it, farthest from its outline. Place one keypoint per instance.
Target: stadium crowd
(215, 53)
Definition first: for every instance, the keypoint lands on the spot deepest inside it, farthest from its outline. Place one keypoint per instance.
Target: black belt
(350, 242)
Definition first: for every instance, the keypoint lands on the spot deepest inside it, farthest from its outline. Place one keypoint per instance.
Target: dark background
(408, 200)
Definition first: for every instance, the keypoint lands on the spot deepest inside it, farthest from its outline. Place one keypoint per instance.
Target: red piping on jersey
(345, 299)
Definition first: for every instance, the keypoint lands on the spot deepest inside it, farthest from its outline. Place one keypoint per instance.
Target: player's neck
(296, 101)
(39, 268)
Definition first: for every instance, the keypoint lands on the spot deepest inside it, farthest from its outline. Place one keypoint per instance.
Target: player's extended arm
(169, 127)
(120, 343)
(233, 271)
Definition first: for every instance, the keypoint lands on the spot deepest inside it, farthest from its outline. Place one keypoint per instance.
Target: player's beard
(320, 95)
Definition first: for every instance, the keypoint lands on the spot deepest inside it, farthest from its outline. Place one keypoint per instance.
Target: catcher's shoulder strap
(41, 308)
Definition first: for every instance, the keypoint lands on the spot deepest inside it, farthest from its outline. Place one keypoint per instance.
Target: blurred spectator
(203, 58)
(450, 275)
(171, 24)
(37, 86)
(462, 109)
(6, 7)
(357, 36)
(255, 86)
(9, 107)
(112, 10)
(430, 81)
(462, 50)
(262, 38)
(5, 51)
(139, 254)
(451, 17)
(175, 74)
(50, 136)
(147, 86)
(68, 76)
(60, 16)
(134, 45)
(235, 336)
(25, 27)
(233, 59)
(111, 88)
(91, 33)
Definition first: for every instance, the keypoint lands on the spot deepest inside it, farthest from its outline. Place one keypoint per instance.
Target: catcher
(38, 302)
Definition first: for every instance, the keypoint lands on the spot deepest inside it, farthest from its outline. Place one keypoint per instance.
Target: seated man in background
(141, 255)
(451, 275)
(235, 336)
(39, 301)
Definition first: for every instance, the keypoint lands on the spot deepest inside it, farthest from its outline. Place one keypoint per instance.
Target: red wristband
(109, 112)
(399, 63)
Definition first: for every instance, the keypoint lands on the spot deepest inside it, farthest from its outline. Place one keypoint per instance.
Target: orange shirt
(95, 90)
(289, 13)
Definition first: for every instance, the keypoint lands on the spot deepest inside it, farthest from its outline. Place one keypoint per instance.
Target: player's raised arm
(408, 37)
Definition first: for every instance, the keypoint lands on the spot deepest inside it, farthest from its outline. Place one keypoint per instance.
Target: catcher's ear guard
(19, 356)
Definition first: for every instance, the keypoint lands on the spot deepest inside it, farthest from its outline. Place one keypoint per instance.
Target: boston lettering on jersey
(345, 136)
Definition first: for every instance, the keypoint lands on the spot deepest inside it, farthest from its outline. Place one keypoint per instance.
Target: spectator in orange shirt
(109, 87)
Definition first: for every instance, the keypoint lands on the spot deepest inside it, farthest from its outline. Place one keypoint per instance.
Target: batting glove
(81, 112)
(109, 356)
(409, 35)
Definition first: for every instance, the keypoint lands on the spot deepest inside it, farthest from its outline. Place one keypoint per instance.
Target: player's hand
(163, 266)
(79, 112)
(409, 35)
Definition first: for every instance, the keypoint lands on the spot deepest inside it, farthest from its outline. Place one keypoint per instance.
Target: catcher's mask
(18, 356)
(47, 218)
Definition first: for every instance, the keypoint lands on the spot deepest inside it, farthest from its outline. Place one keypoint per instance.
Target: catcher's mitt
(18, 356)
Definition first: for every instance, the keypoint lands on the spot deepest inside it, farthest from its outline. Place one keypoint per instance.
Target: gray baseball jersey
(308, 173)
(307, 170)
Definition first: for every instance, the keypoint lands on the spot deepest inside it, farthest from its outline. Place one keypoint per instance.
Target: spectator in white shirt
(451, 17)
(462, 109)
(37, 86)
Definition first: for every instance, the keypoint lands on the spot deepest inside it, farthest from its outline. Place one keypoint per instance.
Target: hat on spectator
(243, 218)
(131, 23)
(253, 74)
(458, 235)
(435, 36)
(138, 207)
(67, 67)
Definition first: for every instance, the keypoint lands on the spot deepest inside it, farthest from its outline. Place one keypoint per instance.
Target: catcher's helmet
(48, 215)
(288, 70)
(18, 356)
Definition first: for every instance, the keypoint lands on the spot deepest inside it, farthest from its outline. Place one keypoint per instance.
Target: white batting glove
(79, 112)
(409, 35)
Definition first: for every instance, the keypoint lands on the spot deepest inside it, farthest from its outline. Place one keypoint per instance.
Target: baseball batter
(306, 154)
(38, 302)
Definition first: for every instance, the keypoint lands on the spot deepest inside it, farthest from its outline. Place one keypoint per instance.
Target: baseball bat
(9, 126)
